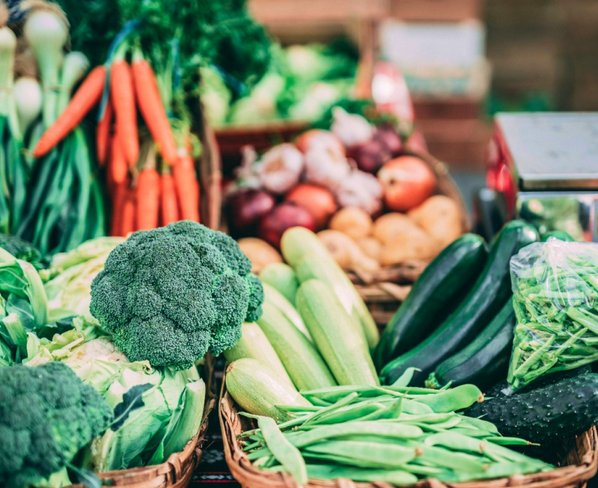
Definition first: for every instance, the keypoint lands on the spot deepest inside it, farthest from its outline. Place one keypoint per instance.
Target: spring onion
(46, 31)
(28, 100)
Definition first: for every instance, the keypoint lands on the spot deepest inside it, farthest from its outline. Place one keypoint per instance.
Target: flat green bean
(284, 452)
(397, 477)
(366, 453)
(457, 398)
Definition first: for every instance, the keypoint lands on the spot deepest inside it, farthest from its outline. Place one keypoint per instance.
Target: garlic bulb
(351, 129)
(280, 168)
(325, 167)
(361, 190)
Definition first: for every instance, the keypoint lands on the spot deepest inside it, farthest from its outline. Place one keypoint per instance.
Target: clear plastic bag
(555, 297)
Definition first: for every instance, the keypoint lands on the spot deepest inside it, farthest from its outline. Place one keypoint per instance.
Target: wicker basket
(385, 290)
(176, 472)
(579, 466)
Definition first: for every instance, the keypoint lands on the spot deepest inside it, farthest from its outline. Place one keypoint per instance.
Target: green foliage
(47, 414)
(160, 401)
(169, 295)
(21, 249)
(205, 32)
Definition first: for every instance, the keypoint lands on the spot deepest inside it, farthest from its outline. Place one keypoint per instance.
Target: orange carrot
(152, 109)
(119, 199)
(103, 135)
(187, 188)
(148, 195)
(117, 170)
(128, 214)
(123, 100)
(88, 94)
(168, 204)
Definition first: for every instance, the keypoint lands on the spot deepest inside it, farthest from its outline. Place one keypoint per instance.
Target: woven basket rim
(249, 476)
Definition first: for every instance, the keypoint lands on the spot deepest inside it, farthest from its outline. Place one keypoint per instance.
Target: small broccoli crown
(172, 294)
(47, 414)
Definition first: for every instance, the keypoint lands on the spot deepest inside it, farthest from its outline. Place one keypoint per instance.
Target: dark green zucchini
(485, 360)
(548, 414)
(489, 293)
(434, 295)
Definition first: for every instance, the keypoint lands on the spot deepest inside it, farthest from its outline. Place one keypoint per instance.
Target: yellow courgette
(311, 260)
(255, 345)
(343, 348)
(301, 359)
(258, 391)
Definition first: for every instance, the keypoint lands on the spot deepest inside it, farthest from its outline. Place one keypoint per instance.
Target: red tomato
(317, 200)
(406, 182)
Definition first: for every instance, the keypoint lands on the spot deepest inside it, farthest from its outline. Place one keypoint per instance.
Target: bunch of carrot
(146, 191)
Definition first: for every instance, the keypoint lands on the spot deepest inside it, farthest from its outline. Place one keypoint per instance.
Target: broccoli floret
(47, 414)
(170, 295)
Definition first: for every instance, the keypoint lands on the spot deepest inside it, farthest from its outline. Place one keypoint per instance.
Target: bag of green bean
(555, 297)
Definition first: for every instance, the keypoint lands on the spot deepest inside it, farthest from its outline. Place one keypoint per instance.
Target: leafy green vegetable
(156, 421)
(69, 277)
(555, 296)
(197, 32)
(169, 295)
(21, 249)
(47, 415)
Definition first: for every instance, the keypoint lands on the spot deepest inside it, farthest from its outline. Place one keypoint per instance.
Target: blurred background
(463, 60)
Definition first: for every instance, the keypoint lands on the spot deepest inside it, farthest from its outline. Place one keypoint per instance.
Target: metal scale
(546, 167)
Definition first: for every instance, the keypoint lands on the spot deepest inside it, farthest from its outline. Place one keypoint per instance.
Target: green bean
(284, 452)
(397, 477)
(355, 428)
(365, 454)
(351, 412)
(405, 378)
(416, 407)
(457, 398)
(438, 456)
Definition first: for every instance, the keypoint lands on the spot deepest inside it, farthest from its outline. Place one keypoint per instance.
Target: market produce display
(373, 203)
(147, 376)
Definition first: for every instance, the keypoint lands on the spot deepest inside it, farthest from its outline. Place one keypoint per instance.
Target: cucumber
(434, 295)
(258, 390)
(300, 358)
(343, 348)
(282, 277)
(549, 414)
(273, 296)
(303, 250)
(488, 295)
(485, 360)
(254, 344)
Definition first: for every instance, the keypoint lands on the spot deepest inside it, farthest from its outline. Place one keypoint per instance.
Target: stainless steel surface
(573, 212)
(552, 151)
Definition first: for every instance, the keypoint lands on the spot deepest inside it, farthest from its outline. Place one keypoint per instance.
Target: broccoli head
(47, 414)
(170, 295)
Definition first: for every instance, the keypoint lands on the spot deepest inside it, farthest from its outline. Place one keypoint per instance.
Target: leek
(75, 66)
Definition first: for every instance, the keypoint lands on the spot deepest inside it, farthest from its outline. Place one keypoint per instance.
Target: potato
(352, 221)
(259, 252)
(392, 225)
(440, 217)
(346, 252)
(407, 247)
(371, 247)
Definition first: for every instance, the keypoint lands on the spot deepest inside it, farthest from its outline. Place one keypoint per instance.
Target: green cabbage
(172, 403)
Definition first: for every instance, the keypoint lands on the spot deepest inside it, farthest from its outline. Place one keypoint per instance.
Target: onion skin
(245, 209)
(281, 218)
(317, 200)
(406, 182)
